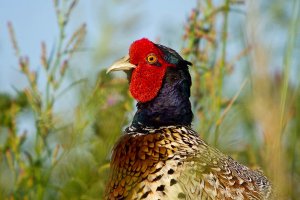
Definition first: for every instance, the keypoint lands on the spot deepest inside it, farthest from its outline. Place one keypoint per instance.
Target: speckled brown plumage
(174, 163)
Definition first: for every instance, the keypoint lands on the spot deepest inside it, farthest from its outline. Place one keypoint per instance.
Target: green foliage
(262, 116)
(66, 155)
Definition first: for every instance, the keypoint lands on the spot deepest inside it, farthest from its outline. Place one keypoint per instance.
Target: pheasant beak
(121, 64)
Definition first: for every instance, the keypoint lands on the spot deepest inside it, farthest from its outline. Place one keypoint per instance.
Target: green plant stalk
(287, 62)
(49, 102)
(220, 79)
(284, 91)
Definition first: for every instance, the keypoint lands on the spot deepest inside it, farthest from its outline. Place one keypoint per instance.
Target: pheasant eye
(151, 58)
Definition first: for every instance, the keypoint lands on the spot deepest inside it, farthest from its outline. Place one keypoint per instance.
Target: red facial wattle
(146, 82)
(146, 79)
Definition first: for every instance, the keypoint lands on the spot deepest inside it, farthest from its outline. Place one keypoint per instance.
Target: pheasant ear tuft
(171, 56)
(185, 62)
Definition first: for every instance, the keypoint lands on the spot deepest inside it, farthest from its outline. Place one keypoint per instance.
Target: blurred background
(60, 113)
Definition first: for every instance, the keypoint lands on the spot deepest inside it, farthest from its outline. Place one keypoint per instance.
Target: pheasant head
(160, 82)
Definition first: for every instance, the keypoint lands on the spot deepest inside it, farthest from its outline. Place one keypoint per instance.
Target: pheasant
(160, 156)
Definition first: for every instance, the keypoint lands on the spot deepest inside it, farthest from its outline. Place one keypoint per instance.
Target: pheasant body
(160, 164)
(159, 156)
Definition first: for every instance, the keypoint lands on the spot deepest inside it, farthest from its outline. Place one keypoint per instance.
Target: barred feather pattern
(173, 162)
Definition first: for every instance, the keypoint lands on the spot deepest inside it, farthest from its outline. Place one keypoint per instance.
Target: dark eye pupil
(151, 59)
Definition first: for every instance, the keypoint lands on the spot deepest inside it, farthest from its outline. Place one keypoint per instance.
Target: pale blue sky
(34, 21)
